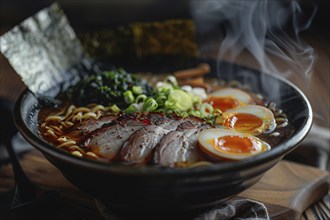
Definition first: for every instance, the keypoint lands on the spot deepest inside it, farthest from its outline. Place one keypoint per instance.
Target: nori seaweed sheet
(45, 51)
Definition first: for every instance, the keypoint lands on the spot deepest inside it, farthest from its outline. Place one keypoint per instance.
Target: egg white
(266, 115)
(241, 96)
(204, 144)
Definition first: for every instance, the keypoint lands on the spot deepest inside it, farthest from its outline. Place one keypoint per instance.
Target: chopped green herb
(108, 88)
(127, 93)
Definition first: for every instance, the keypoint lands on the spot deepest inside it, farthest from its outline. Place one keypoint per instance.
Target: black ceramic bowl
(149, 191)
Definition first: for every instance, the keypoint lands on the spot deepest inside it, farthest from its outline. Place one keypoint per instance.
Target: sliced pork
(141, 143)
(142, 138)
(178, 148)
(107, 141)
(85, 127)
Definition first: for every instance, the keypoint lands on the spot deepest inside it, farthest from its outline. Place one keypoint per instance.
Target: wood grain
(286, 190)
(289, 188)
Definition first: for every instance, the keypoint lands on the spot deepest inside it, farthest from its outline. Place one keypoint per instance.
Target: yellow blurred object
(140, 39)
(171, 37)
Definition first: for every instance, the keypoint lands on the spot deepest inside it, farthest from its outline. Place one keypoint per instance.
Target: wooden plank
(292, 186)
(286, 190)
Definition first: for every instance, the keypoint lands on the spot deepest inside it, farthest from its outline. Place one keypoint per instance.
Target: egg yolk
(222, 103)
(243, 122)
(236, 144)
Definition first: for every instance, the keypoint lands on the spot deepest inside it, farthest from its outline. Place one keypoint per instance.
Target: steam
(267, 30)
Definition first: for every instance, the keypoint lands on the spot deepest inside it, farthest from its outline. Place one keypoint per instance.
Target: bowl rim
(278, 152)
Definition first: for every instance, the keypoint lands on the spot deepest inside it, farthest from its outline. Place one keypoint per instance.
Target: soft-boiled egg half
(252, 119)
(231, 145)
(228, 98)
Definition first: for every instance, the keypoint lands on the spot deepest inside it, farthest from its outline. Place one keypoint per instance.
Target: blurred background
(90, 15)
(107, 13)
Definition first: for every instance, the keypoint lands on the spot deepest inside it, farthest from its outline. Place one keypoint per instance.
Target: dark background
(101, 13)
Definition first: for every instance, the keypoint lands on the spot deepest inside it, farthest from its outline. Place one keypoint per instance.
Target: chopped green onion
(135, 107)
(150, 105)
(182, 114)
(115, 109)
(166, 89)
(137, 90)
(179, 100)
(129, 97)
(206, 109)
(195, 113)
(186, 88)
(161, 100)
(130, 109)
(171, 80)
(140, 98)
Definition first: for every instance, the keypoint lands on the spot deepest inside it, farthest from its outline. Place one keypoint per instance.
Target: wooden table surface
(286, 190)
(318, 93)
